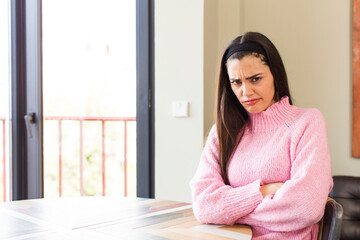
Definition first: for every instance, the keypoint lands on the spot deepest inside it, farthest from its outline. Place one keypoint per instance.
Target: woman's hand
(270, 189)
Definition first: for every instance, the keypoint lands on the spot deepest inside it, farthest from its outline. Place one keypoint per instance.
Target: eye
(235, 81)
(255, 79)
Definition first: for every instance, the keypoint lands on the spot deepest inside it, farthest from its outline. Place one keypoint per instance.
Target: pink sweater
(284, 144)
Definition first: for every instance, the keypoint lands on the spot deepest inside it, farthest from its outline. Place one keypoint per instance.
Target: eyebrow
(248, 78)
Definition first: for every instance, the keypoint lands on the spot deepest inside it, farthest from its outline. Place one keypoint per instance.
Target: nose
(247, 89)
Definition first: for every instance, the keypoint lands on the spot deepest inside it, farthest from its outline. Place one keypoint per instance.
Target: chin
(254, 111)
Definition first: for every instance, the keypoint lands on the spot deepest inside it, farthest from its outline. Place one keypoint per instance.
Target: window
(27, 80)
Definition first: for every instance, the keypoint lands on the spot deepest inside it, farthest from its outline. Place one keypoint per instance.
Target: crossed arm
(297, 203)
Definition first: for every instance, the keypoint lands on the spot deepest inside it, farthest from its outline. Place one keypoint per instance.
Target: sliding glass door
(82, 115)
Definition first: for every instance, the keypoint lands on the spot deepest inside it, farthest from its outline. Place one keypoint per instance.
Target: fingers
(270, 189)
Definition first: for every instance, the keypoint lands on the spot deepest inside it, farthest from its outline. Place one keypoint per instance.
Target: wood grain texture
(109, 218)
(356, 81)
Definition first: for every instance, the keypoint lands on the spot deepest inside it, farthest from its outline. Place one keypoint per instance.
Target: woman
(266, 163)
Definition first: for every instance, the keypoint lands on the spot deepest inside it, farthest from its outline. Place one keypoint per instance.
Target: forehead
(248, 65)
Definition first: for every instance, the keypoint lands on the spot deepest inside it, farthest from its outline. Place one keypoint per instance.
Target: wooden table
(108, 218)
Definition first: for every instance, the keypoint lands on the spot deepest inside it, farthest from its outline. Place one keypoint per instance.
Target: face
(252, 83)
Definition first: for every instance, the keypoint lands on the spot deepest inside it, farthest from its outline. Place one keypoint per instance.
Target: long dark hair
(231, 117)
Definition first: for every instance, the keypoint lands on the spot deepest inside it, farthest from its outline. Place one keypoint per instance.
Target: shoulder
(308, 116)
(212, 137)
(308, 119)
(212, 130)
(309, 134)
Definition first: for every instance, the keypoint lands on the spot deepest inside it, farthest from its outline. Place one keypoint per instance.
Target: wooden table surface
(108, 218)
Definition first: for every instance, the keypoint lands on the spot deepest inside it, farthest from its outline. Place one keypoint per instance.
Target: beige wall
(221, 23)
(314, 39)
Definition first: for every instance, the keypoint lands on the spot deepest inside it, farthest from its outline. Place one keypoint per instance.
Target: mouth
(251, 101)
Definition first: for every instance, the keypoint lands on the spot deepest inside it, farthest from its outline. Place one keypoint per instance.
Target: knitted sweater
(282, 144)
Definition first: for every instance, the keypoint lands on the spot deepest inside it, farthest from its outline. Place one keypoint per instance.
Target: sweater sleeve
(213, 201)
(300, 202)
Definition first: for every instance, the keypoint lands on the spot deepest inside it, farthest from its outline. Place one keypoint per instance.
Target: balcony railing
(81, 120)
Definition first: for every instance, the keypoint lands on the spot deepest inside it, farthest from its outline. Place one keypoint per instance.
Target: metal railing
(103, 120)
(81, 120)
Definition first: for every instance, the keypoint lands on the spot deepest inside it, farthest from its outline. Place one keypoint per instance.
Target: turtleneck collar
(279, 113)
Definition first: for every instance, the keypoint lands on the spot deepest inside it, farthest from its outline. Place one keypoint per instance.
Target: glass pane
(4, 97)
(89, 91)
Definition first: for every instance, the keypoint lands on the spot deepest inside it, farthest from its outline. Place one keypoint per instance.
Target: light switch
(180, 109)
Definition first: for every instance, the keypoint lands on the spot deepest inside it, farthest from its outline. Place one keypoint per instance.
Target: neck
(277, 114)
